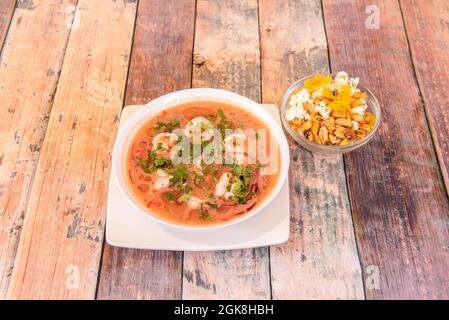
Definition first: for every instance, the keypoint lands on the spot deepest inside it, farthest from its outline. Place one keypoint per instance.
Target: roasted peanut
(306, 125)
(315, 128)
(343, 122)
(323, 134)
(360, 134)
(336, 114)
(357, 117)
(349, 133)
(333, 139)
(365, 127)
(340, 134)
(310, 136)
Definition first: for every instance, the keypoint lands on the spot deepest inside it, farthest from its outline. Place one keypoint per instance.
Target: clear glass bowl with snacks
(330, 114)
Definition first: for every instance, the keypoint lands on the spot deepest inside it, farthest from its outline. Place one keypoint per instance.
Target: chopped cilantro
(204, 214)
(166, 126)
(184, 197)
(159, 147)
(170, 196)
(221, 114)
(198, 179)
(224, 123)
(212, 205)
(241, 187)
(143, 163)
(159, 163)
(180, 175)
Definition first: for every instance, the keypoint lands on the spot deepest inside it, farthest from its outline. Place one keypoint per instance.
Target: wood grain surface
(6, 13)
(372, 224)
(320, 260)
(427, 25)
(154, 71)
(60, 247)
(29, 70)
(226, 55)
(398, 199)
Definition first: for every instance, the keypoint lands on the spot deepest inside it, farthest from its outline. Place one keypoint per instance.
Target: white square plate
(126, 227)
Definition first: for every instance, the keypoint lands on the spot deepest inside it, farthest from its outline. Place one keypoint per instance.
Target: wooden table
(372, 224)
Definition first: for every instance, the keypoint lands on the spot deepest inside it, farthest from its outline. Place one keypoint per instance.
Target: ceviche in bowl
(201, 158)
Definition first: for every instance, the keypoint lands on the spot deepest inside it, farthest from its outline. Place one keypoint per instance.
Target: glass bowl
(373, 107)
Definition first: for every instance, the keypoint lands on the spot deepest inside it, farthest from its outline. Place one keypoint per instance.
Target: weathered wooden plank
(398, 200)
(29, 69)
(427, 25)
(154, 70)
(226, 55)
(320, 260)
(59, 251)
(6, 12)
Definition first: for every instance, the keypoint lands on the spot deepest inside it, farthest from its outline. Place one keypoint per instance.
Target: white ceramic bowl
(167, 101)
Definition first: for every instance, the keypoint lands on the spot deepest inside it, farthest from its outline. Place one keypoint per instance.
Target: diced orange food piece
(316, 82)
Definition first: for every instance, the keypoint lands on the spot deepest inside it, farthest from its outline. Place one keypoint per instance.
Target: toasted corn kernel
(360, 134)
(365, 127)
(333, 139)
(357, 117)
(340, 134)
(323, 134)
(336, 114)
(297, 122)
(349, 133)
(307, 125)
(317, 118)
(310, 136)
(315, 128)
(344, 142)
(343, 122)
(317, 139)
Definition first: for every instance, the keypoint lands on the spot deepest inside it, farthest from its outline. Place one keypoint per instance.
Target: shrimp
(220, 188)
(164, 141)
(163, 180)
(194, 202)
(196, 125)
